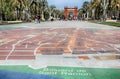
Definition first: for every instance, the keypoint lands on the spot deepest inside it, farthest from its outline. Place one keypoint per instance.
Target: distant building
(71, 13)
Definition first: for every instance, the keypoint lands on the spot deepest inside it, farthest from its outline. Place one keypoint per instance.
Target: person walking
(36, 19)
(39, 19)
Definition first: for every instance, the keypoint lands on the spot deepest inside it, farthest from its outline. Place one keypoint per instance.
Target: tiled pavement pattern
(25, 44)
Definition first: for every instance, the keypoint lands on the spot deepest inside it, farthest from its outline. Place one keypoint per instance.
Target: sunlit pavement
(63, 24)
(60, 43)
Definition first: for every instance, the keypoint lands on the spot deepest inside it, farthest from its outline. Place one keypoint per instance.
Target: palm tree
(44, 5)
(116, 6)
(86, 8)
(94, 4)
(57, 13)
(104, 4)
(51, 9)
(81, 13)
(96, 9)
(105, 7)
(1, 9)
(38, 6)
(19, 6)
(33, 8)
(26, 9)
(12, 9)
(109, 9)
(22, 9)
(6, 9)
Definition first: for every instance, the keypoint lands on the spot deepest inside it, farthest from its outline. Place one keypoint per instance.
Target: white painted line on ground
(14, 45)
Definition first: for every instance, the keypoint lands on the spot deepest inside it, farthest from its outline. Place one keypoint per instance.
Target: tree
(1, 10)
(105, 8)
(6, 10)
(26, 9)
(86, 7)
(57, 13)
(51, 9)
(96, 9)
(33, 6)
(104, 4)
(81, 13)
(44, 6)
(116, 5)
(18, 6)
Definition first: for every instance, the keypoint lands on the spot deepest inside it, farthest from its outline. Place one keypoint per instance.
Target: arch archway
(71, 13)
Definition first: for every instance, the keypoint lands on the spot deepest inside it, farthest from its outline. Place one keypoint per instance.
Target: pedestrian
(51, 18)
(36, 19)
(39, 19)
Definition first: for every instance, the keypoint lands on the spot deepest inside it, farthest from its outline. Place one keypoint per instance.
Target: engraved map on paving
(26, 43)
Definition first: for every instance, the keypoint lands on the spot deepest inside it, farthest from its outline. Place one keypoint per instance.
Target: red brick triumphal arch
(71, 13)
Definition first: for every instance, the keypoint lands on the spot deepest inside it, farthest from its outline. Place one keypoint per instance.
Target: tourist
(51, 18)
(36, 19)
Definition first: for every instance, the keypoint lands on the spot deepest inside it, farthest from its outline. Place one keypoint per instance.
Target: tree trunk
(84, 16)
(17, 12)
(1, 11)
(93, 14)
(87, 15)
(49, 15)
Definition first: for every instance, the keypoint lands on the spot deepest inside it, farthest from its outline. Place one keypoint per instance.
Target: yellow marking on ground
(31, 35)
(38, 51)
(4, 40)
(72, 41)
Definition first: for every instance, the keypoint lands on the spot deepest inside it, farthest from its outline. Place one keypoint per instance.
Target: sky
(69, 3)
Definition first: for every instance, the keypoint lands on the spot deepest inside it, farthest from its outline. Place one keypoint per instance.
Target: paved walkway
(64, 24)
(76, 60)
